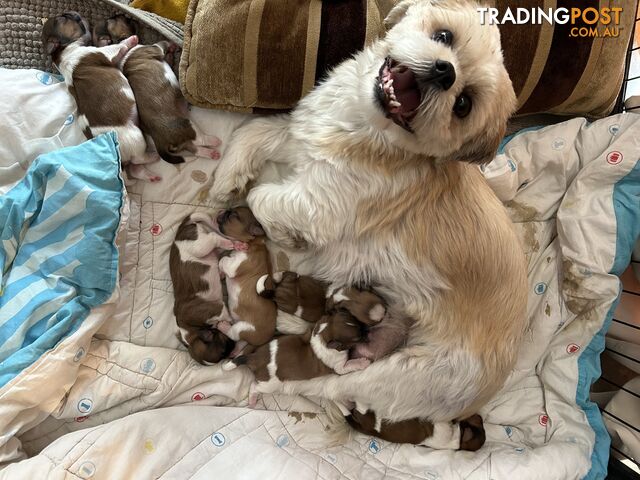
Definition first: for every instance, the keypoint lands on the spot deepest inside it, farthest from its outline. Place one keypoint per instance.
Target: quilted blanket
(116, 396)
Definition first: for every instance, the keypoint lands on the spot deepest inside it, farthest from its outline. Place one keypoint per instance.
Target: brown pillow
(266, 54)
(553, 72)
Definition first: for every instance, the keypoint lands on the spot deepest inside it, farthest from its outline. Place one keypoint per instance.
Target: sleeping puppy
(253, 317)
(113, 30)
(103, 96)
(198, 304)
(467, 435)
(378, 174)
(322, 351)
(163, 111)
(297, 297)
(386, 330)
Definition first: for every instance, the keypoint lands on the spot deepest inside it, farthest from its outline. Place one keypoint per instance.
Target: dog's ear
(398, 12)
(52, 44)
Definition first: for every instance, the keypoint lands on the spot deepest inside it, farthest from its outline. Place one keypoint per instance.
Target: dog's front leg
(250, 147)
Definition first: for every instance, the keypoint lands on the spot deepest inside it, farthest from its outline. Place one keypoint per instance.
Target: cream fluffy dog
(382, 185)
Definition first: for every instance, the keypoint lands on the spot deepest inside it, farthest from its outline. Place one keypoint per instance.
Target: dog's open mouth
(397, 92)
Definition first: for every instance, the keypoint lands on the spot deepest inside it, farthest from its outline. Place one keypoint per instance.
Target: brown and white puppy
(319, 352)
(253, 317)
(197, 289)
(103, 96)
(113, 30)
(163, 111)
(297, 297)
(386, 329)
(467, 435)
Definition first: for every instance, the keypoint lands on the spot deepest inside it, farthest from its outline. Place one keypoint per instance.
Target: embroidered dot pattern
(218, 439)
(282, 441)
(85, 405)
(79, 354)
(156, 229)
(147, 323)
(614, 158)
(196, 397)
(543, 419)
(87, 470)
(374, 446)
(540, 288)
(147, 365)
(572, 348)
(199, 176)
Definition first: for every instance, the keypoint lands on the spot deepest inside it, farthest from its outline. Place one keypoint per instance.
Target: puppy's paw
(472, 435)
(224, 326)
(240, 246)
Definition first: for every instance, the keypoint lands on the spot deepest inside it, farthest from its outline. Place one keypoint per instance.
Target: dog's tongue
(406, 89)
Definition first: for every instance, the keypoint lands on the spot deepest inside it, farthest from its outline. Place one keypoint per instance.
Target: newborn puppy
(254, 317)
(163, 111)
(386, 330)
(197, 289)
(322, 351)
(298, 295)
(103, 96)
(468, 434)
(113, 30)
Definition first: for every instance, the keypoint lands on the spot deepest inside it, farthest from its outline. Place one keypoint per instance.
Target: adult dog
(383, 186)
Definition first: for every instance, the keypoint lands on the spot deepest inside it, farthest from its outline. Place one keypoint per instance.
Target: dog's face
(439, 83)
(342, 330)
(60, 31)
(239, 224)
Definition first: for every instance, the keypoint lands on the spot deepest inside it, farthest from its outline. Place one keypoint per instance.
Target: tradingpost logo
(584, 22)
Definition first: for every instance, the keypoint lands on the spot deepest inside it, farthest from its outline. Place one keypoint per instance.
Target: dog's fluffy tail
(338, 430)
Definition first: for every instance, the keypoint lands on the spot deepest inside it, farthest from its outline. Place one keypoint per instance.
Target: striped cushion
(257, 55)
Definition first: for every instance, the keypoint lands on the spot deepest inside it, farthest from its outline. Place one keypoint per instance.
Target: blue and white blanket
(131, 403)
(57, 252)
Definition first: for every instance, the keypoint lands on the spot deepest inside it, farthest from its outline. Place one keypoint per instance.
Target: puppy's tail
(266, 286)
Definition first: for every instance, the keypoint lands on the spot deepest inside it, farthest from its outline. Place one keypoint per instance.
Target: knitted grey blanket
(21, 25)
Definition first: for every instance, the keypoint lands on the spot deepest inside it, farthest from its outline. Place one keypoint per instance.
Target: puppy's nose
(443, 74)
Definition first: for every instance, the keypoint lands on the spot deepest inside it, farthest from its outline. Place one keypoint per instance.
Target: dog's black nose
(443, 74)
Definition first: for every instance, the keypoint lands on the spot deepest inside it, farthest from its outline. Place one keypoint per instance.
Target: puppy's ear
(256, 229)
(398, 12)
(52, 45)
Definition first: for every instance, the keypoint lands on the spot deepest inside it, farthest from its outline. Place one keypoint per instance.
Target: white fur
(338, 361)
(339, 296)
(299, 311)
(290, 324)
(446, 436)
(237, 328)
(377, 313)
(277, 277)
(319, 189)
(183, 334)
(229, 266)
(260, 284)
(170, 76)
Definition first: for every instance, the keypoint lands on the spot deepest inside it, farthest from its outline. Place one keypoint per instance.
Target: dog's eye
(443, 36)
(463, 105)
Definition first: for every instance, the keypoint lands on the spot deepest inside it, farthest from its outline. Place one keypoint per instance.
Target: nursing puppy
(103, 96)
(467, 435)
(380, 179)
(253, 317)
(322, 351)
(163, 111)
(198, 304)
(386, 330)
(113, 30)
(299, 295)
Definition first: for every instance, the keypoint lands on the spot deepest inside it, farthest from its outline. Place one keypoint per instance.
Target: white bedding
(130, 403)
